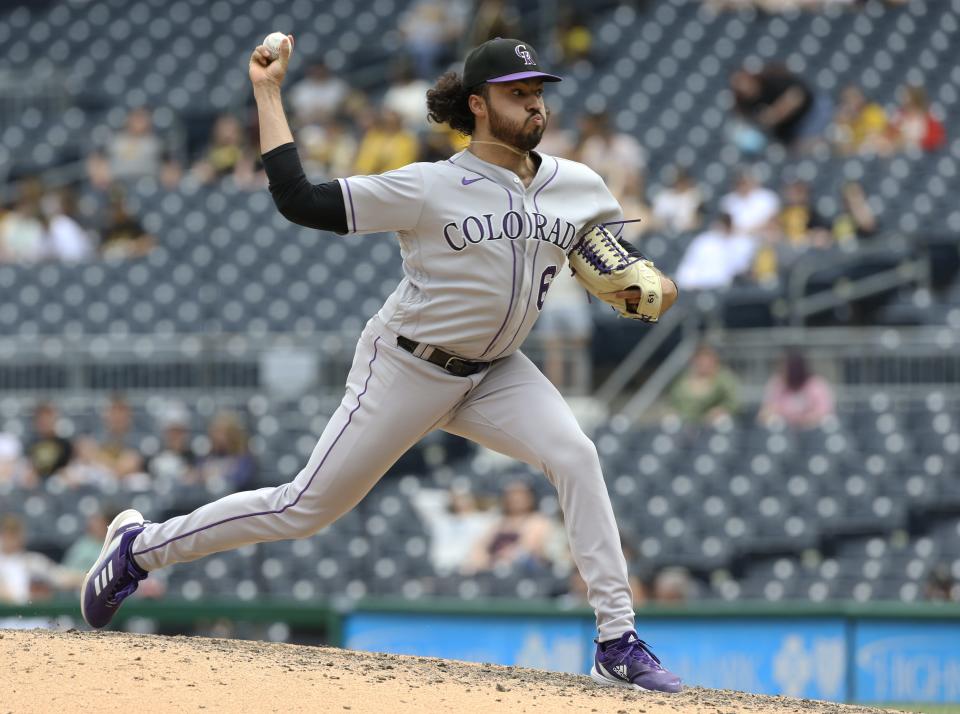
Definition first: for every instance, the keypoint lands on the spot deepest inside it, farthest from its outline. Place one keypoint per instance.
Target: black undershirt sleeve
(317, 206)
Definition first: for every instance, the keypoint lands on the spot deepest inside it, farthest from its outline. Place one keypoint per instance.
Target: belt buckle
(460, 364)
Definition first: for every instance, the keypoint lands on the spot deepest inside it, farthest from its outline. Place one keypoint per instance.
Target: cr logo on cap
(523, 54)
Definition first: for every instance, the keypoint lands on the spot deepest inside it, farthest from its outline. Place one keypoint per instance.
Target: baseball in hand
(272, 43)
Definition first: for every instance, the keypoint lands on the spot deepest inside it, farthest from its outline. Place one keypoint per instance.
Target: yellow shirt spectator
(871, 122)
(860, 125)
(386, 146)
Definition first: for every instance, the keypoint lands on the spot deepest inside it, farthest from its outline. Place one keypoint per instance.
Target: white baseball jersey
(479, 253)
(479, 248)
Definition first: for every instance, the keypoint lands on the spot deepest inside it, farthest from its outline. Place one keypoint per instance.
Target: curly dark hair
(447, 103)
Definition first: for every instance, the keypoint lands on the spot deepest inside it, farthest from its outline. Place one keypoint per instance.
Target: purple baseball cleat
(628, 662)
(114, 576)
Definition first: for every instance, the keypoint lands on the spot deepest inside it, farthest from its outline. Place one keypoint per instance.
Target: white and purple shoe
(114, 576)
(629, 662)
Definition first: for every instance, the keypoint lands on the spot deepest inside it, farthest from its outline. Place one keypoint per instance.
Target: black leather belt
(453, 364)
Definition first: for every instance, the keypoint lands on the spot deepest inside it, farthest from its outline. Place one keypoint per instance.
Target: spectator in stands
(230, 461)
(439, 143)
(67, 240)
(941, 586)
(83, 552)
(676, 209)
(26, 576)
(615, 155)
(132, 153)
(405, 97)
(707, 392)
(672, 586)
(716, 257)
(859, 126)
(493, 18)
(519, 538)
(856, 220)
(795, 396)
(752, 207)
(386, 145)
(228, 154)
(317, 97)
(13, 468)
(566, 327)
(86, 467)
(115, 452)
(123, 236)
(48, 451)
(636, 210)
(175, 462)
(800, 224)
(455, 523)
(914, 126)
(430, 30)
(780, 104)
(572, 36)
(328, 149)
(23, 229)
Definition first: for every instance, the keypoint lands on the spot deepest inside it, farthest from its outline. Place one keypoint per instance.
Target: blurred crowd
(342, 131)
(110, 454)
(750, 235)
(778, 6)
(794, 397)
(472, 534)
(28, 576)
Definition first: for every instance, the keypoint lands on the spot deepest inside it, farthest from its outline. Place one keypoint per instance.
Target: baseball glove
(606, 269)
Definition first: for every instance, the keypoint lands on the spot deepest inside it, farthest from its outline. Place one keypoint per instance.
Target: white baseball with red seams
(272, 42)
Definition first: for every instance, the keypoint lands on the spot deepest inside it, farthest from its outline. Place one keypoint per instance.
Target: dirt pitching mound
(74, 671)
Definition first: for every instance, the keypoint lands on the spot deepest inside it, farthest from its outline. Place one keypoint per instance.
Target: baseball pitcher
(482, 235)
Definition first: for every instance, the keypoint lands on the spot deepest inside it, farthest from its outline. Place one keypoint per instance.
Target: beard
(523, 135)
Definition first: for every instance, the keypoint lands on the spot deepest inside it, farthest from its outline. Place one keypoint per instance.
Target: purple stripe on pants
(304, 490)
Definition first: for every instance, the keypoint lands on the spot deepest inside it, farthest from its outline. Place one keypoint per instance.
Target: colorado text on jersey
(512, 225)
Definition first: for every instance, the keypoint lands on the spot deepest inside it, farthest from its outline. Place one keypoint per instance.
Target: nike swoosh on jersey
(466, 182)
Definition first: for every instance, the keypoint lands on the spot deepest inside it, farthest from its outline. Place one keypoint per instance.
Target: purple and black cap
(503, 60)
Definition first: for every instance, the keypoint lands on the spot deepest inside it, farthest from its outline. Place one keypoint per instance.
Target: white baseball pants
(392, 400)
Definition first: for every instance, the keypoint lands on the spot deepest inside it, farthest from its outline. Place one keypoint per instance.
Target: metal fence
(278, 364)
(860, 361)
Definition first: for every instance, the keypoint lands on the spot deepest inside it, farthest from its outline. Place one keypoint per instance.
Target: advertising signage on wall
(907, 661)
(831, 658)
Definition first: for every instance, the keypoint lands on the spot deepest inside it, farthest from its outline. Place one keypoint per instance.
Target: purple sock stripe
(303, 491)
(353, 215)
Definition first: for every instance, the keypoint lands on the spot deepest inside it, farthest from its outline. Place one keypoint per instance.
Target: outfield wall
(852, 653)
(841, 652)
